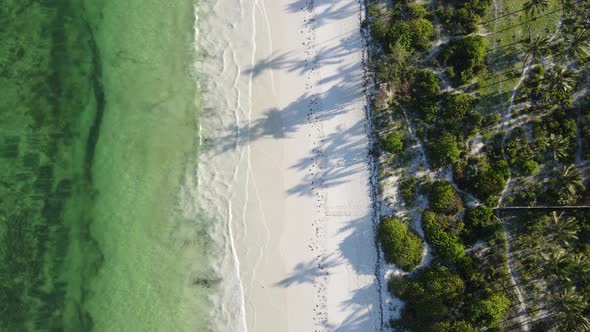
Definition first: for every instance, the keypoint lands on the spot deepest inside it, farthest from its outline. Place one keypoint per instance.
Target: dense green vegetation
(463, 58)
(408, 187)
(500, 115)
(400, 244)
(430, 297)
(461, 17)
(443, 198)
(553, 258)
(394, 142)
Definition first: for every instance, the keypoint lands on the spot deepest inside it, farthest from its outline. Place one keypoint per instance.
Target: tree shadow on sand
(340, 153)
(306, 272)
(288, 61)
(361, 235)
(326, 11)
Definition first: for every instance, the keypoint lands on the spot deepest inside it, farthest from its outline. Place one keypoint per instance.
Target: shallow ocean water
(99, 227)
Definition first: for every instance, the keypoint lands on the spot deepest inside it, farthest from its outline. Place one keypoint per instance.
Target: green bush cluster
(463, 58)
(444, 121)
(445, 242)
(407, 25)
(408, 188)
(400, 245)
(555, 136)
(457, 105)
(478, 221)
(431, 297)
(456, 326)
(522, 155)
(443, 198)
(425, 92)
(458, 116)
(443, 151)
(461, 17)
(488, 312)
(455, 120)
(393, 142)
(526, 193)
(484, 179)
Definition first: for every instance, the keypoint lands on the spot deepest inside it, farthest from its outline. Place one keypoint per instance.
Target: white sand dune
(286, 156)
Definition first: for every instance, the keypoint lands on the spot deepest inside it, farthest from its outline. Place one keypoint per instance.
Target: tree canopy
(465, 56)
(401, 246)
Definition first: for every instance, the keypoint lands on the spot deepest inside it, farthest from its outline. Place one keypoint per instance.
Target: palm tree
(562, 230)
(559, 78)
(558, 146)
(553, 261)
(566, 183)
(535, 48)
(532, 7)
(570, 307)
(581, 263)
(536, 6)
(580, 43)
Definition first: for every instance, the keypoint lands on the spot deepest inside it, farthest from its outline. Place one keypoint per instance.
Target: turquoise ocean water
(98, 146)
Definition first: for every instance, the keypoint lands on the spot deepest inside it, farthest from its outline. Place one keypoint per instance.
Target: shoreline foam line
(237, 267)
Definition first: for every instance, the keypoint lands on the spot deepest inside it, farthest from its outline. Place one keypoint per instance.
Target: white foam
(220, 175)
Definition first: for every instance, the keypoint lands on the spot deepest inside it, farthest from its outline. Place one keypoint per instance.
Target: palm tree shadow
(307, 272)
(325, 12)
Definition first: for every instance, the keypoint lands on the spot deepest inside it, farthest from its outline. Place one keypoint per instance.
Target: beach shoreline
(288, 154)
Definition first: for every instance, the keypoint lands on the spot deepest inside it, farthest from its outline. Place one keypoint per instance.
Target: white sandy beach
(284, 172)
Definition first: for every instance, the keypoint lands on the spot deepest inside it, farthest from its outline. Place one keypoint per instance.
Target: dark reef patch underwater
(89, 179)
(52, 103)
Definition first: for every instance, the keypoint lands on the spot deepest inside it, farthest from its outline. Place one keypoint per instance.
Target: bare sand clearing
(286, 153)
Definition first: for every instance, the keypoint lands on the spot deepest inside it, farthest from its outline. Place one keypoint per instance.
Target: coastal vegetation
(400, 244)
(480, 106)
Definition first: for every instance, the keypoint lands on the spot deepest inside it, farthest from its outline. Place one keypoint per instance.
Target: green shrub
(466, 56)
(491, 120)
(480, 178)
(404, 287)
(457, 105)
(477, 221)
(450, 224)
(393, 142)
(430, 297)
(422, 33)
(489, 312)
(529, 167)
(413, 31)
(408, 189)
(425, 90)
(461, 17)
(456, 326)
(473, 121)
(447, 246)
(443, 198)
(401, 33)
(527, 193)
(443, 284)
(417, 11)
(443, 151)
(400, 245)
(379, 22)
